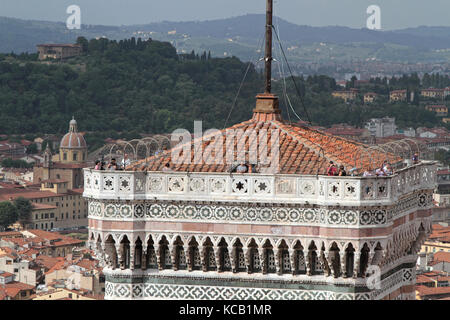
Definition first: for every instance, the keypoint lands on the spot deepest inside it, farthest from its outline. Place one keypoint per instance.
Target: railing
(254, 187)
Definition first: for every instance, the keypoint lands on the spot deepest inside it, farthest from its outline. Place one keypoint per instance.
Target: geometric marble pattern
(115, 210)
(151, 291)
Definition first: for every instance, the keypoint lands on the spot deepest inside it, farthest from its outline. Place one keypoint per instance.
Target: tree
(84, 43)
(8, 214)
(24, 209)
(32, 149)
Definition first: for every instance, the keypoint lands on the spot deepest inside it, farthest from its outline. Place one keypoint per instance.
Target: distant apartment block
(446, 92)
(439, 110)
(58, 51)
(432, 93)
(370, 97)
(398, 95)
(382, 128)
(346, 95)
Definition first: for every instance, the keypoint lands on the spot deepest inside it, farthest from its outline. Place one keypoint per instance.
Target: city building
(44, 243)
(370, 97)
(69, 162)
(11, 150)
(54, 206)
(438, 241)
(52, 293)
(381, 128)
(14, 290)
(439, 110)
(432, 93)
(346, 95)
(20, 268)
(58, 51)
(398, 95)
(349, 132)
(446, 92)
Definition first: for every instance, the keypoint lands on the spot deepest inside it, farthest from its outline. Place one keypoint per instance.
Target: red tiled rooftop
(5, 274)
(427, 291)
(302, 150)
(441, 257)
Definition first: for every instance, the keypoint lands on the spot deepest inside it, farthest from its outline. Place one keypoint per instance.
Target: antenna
(268, 56)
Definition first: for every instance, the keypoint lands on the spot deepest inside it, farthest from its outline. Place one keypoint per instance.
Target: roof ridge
(308, 144)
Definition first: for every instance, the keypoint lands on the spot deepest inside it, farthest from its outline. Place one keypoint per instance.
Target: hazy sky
(395, 14)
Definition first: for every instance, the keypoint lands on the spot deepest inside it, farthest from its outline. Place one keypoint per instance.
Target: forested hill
(130, 85)
(133, 87)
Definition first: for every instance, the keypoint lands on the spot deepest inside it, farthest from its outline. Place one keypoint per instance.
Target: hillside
(130, 87)
(239, 36)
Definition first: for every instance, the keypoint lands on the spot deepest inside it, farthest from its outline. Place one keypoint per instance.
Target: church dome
(73, 139)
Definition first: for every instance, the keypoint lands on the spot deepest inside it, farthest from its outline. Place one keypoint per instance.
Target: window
(58, 176)
(16, 270)
(70, 295)
(75, 157)
(52, 215)
(23, 294)
(64, 156)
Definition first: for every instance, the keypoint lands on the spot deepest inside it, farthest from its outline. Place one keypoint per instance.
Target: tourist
(112, 166)
(380, 172)
(387, 169)
(98, 165)
(167, 167)
(125, 161)
(242, 168)
(332, 170)
(342, 172)
(354, 172)
(368, 173)
(415, 158)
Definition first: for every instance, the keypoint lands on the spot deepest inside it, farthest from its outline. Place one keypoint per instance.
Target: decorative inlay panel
(280, 214)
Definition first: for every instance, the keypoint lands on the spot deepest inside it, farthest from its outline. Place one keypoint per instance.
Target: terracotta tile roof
(427, 291)
(8, 252)
(302, 150)
(5, 274)
(87, 264)
(10, 234)
(441, 257)
(48, 262)
(11, 194)
(13, 288)
(440, 233)
(57, 266)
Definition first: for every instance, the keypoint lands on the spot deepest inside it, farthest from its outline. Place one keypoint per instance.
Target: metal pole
(268, 57)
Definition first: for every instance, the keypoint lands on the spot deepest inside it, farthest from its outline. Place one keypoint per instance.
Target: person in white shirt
(125, 161)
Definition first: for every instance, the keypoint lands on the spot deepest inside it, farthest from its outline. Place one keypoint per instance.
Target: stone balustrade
(255, 187)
